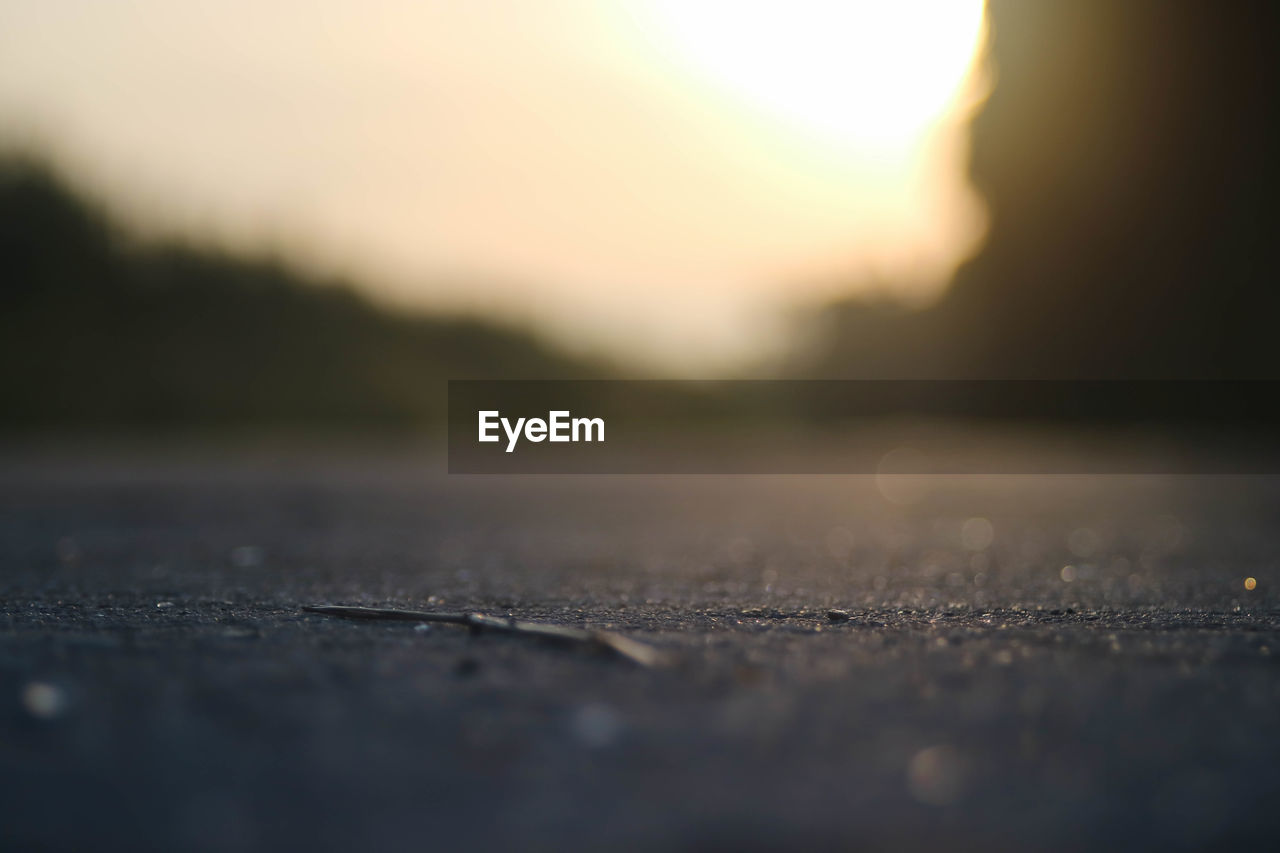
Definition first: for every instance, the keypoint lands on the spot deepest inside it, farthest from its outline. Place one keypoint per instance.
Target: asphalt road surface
(1054, 663)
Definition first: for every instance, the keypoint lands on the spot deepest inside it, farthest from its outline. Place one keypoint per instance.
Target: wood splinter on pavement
(607, 641)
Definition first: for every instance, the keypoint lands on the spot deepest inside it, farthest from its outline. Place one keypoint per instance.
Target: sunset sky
(653, 178)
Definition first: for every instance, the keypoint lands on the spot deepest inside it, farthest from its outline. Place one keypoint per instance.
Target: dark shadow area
(97, 329)
(1127, 156)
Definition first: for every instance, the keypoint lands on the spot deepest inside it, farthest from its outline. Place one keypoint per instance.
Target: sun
(871, 73)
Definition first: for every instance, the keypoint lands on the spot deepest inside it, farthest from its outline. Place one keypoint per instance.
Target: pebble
(43, 700)
(837, 615)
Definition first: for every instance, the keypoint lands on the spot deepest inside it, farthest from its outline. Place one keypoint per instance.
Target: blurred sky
(654, 177)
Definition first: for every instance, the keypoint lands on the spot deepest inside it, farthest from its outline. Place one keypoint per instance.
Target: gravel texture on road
(1013, 663)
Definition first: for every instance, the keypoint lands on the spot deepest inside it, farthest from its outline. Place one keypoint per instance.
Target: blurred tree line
(99, 329)
(1128, 156)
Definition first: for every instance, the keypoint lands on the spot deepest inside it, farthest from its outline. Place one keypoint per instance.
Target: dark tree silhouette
(98, 329)
(1128, 157)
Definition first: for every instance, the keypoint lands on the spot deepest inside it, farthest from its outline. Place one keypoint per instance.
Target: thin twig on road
(606, 641)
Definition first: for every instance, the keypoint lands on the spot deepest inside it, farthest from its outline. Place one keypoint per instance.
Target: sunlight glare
(867, 73)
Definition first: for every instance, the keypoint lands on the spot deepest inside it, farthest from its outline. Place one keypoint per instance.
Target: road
(1053, 663)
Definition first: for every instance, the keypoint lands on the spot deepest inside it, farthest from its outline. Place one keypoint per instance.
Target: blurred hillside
(99, 329)
(1127, 155)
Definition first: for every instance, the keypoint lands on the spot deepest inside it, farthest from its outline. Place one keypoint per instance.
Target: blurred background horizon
(312, 211)
(649, 180)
